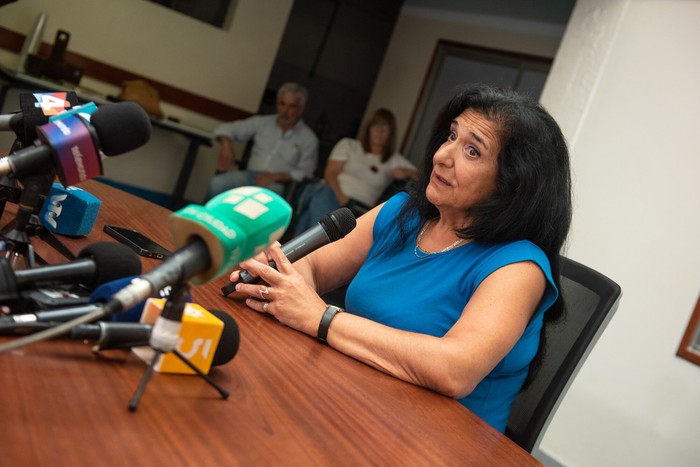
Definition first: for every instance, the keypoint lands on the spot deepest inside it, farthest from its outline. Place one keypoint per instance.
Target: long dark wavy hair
(532, 199)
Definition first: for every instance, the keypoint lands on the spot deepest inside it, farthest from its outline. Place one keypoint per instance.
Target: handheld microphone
(109, 335)
(48, 106)
(201, 332)
(37, 109)
(232, 226)
(330, 228)
(71, 145)
(69, 211)
(98, 263)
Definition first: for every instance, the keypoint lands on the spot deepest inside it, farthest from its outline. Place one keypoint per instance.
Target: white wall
(229, 66)
(626, 88)
(413, 43)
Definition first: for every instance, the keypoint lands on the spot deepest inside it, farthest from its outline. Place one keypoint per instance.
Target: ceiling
(542, 11)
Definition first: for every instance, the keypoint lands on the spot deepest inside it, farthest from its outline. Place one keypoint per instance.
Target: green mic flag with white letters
(236, 225)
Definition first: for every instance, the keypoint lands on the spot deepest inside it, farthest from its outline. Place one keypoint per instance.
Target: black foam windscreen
(121, 127)
(229, 341)
(338, 223)
(112, 261)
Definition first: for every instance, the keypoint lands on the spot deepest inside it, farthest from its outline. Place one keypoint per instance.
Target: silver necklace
(423, 254)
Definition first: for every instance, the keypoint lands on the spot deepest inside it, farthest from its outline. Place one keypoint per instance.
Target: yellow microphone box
(199, 338)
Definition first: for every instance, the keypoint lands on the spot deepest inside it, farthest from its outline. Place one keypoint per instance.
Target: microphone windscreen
(230, 339)
(338, 223)
(112, 261)
(69, 211)
(199, 337)
(235, 225)
(121, 127)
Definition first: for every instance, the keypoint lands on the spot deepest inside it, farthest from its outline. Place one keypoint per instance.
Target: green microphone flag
(235, 225)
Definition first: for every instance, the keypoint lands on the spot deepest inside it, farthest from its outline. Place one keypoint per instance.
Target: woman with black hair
(450, 283)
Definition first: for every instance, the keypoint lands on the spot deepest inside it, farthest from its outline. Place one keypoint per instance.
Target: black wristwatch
(325, 323)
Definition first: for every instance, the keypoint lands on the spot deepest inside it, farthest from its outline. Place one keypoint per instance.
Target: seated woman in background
(357, 172)
(450, 282)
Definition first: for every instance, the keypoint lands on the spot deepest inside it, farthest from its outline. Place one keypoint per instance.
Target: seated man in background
(284, 147)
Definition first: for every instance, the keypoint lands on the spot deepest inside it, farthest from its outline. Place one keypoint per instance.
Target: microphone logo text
(54, 209)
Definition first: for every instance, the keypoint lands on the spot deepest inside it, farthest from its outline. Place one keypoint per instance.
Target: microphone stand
(164, 339)
(16, 233)
(26, 223)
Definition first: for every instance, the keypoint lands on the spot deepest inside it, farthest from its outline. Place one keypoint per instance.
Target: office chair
(245, 156)
(590, 300)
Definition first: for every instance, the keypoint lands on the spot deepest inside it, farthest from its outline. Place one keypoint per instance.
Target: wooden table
(293, 401)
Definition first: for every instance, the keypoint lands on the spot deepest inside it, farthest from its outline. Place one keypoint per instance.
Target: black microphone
(98, 263)
(71, 145)
(111, 335)
(330, 228)
(37, 109)
(119, 335)
(122, 335)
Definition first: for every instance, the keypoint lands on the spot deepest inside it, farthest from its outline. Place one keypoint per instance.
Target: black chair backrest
(590, 300)
(245, 157)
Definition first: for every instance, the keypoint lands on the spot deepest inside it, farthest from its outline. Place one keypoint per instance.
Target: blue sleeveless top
(427, 295)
